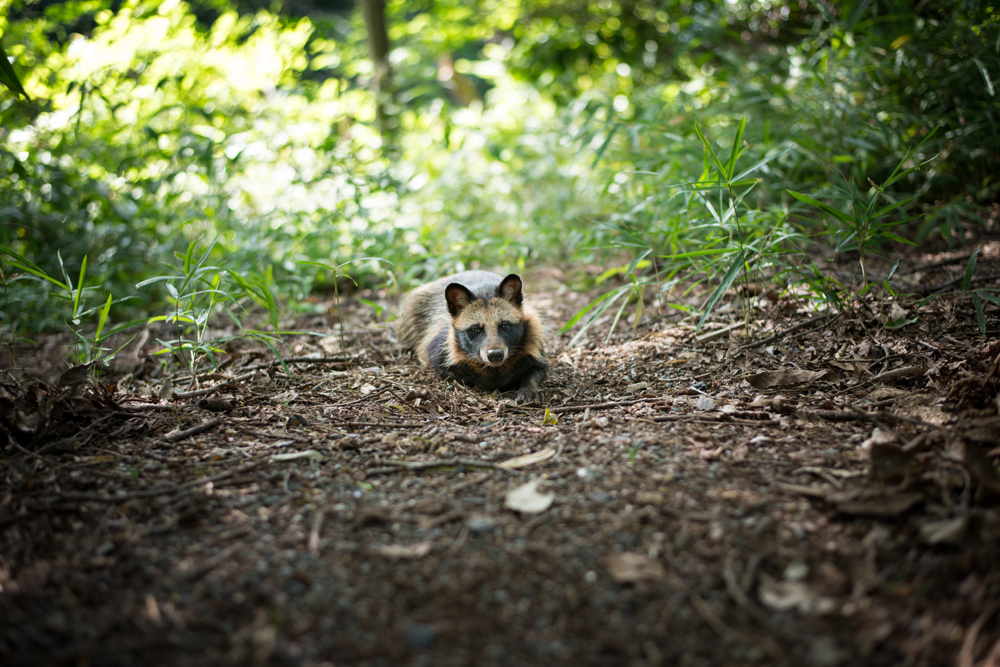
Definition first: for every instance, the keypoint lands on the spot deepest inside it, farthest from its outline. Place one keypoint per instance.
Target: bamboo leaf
(731, 167)
(103, 319)
(727, 281)
(969, 270)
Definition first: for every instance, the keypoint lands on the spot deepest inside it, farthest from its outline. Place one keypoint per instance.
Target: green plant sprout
(198, 291)
(86, 349)
(337, 273)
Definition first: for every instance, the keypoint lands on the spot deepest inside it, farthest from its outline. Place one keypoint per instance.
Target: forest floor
(823, 492)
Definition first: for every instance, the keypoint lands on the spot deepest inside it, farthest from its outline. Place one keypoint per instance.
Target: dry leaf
(630, 568)
(527, 498)
(528, 459)
(788, 377)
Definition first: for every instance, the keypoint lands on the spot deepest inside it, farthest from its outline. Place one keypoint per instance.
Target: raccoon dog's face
(487, 329)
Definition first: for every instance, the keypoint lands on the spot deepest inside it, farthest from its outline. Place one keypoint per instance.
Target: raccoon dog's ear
(458, 297)
(510, 289)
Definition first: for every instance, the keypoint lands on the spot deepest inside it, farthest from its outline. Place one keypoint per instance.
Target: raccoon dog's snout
(495, 355)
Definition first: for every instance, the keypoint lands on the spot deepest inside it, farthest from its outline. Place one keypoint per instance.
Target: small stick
(384, 424)
(155, 491)
(304, 360)
(313, 542)
(602, 406)
(364, 398)
(779, 336)
(176, 436)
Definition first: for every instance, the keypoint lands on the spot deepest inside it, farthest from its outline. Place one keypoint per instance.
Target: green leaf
(992, 298)
(969, 270)
(604, 145)
(840, 215)
(103, 319)
(576, 318)
(727, 281)
(79, 286)
(708, 147)
(19, 262)
(9, 77)
(731, 167)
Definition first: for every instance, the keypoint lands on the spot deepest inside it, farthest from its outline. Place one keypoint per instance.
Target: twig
(382, 424)
(718, 333)
(941, 289)
(313, 542)
(440, 463)
(603, 406)
(965, 656)
(364, 398)
(305, 360)
(779, 336)
(155, 491)
(820, 472)
(194, 430)
(478, 479)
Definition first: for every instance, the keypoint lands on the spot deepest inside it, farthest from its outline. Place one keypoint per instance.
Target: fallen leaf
(549, 418)
(74, 376)
(630, 568)
(527, 499)
(787, 377)
(528, 459)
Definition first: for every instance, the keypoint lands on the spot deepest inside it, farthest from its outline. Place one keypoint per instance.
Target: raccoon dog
(473, 327)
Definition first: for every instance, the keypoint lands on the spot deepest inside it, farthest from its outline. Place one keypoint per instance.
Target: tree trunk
(378, 45)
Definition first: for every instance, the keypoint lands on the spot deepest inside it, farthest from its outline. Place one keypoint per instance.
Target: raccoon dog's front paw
(527, 394)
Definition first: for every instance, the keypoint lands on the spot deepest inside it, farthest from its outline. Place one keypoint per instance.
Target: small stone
(705, 403)
(481, 524)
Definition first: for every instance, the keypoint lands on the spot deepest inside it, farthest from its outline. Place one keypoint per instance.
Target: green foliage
(198, 291)
(713, 142)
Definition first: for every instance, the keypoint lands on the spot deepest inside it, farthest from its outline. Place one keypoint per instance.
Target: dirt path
(705, 509)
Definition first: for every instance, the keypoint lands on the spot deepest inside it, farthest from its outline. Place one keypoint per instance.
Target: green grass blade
(731, 167)
(19, 262)
(79, 287)
(727, 281)
(839, 215)
(708, 147)
(970, 268)
(103, 319)
(992, 298)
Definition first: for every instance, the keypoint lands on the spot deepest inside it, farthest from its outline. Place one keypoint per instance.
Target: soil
(822, 491)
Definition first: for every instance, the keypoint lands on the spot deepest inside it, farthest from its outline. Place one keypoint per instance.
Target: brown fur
(426, 326)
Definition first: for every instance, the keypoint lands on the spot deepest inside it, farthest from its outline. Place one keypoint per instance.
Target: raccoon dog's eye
(475, 331)
(504, 326)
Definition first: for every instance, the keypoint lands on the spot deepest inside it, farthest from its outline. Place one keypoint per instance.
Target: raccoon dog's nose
(495, 355)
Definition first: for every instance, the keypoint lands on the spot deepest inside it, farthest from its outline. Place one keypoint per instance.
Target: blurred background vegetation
(448, 134)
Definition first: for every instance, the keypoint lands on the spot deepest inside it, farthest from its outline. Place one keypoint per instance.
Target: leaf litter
(825, 495)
